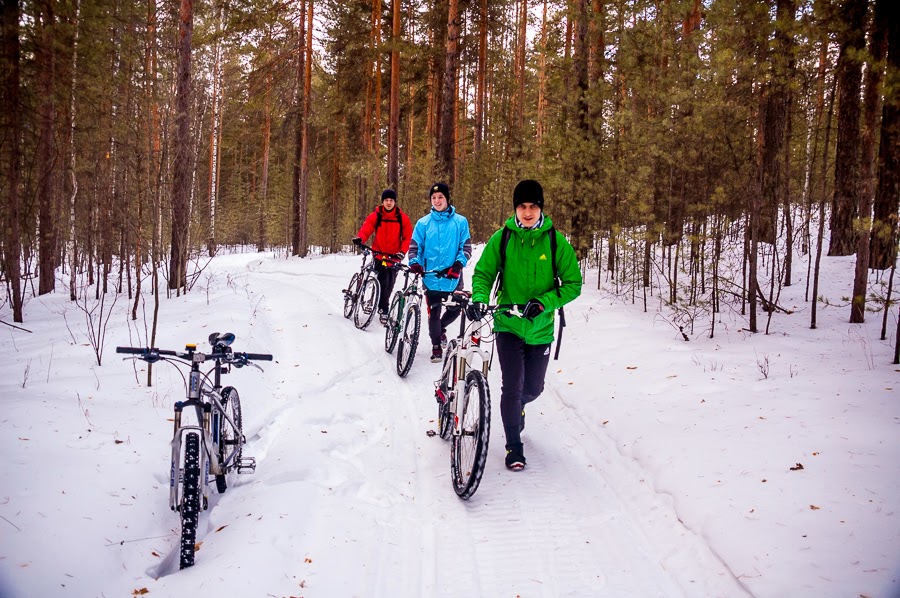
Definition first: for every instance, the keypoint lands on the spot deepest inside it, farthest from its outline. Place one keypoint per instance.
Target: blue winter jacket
(438, 240)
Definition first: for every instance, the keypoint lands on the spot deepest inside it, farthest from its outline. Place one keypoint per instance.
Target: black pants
(386, 278)
(437, 321)
(523, 368)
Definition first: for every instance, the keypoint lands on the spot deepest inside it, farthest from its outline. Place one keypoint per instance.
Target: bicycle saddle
(221, 340)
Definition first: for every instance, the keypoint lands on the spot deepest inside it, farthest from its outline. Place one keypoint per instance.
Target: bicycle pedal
(246, 465)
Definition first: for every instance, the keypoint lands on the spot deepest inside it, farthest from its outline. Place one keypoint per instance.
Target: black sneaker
(515, 460)
(443, 340)
(382, 317)
(437, 354)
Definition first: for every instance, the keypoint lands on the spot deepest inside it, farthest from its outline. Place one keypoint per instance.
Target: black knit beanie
(528, 191)
(440, 188)
(388, 194)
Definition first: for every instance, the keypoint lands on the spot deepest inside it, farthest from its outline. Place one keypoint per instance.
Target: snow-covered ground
(656, 467)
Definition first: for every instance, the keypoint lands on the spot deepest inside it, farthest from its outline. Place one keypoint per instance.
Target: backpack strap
(504, 241)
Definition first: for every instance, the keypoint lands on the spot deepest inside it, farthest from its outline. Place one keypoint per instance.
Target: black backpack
(504, 241)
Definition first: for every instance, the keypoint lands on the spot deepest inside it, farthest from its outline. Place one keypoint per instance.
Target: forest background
(140, 137)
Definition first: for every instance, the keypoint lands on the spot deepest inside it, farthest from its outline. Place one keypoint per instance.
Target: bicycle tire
(406, 352)
(468, 451)
(229, 436)
(367, 303)
(392, 330)
(190, 499)
(350, 294)
(448, 384)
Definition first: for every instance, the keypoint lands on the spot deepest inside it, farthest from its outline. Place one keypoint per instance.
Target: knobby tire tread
(367, 303)
(406, 352)
(467, 476)
(190, 499)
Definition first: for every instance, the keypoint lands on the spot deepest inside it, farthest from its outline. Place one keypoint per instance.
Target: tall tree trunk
(883, 253)
(304, 150)
(264, 175)
(47, 152)
(846, 168)
(181, 179)
(481, 76)
(542, 79)
(445, 155)
(577, 209)
(296, 200)
(871, 100)
(215, 136)
(71, 183)
(393, 169)
(10, 146)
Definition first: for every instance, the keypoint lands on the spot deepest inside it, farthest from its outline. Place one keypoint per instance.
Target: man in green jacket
(527, 282)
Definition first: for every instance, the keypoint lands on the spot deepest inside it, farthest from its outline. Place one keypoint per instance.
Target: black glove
(476, 311)
(357, 241)
(533, 309)
(398, 257)
(416, 268)
(454, 271)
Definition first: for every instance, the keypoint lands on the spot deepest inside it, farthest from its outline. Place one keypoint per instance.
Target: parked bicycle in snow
(208, 433)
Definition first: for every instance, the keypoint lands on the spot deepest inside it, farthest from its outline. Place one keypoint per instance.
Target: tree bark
(304, 150)
(448, 95)
(846, 169)
(883, 253)
(296, 203)
(181, 178)
(47, 151)
(11, 148)
(871, 100)
(393, 171)
(481, 76)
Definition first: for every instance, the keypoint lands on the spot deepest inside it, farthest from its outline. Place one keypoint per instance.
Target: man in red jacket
(392, 231)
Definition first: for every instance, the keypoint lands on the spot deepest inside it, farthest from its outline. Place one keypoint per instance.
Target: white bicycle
(464, 397)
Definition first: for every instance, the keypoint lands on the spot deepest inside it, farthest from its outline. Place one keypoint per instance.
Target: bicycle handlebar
(154, 354)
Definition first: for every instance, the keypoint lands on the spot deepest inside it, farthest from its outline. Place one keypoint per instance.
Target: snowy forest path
(558, 528)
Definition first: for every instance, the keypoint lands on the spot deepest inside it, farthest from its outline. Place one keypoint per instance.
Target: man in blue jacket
(440, 249)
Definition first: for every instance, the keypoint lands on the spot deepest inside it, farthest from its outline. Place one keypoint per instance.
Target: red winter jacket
(392, 235)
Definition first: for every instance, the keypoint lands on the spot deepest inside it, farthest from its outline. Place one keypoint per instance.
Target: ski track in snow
(522, 533)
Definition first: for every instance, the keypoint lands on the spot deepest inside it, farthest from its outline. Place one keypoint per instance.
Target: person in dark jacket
(393, 231)
(523, 342)
(440, 249)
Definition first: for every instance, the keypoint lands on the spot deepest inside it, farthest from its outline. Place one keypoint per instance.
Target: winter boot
(515, 459)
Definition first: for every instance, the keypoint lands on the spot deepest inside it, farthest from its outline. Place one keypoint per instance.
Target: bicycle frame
(468, 345)
(412, 291)
(209, 409)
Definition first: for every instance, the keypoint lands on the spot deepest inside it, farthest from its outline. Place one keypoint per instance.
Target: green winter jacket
(527, 275)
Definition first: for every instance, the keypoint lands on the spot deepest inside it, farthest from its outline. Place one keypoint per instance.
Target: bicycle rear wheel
(231, 438)
(448, 384)
(367, 304)
(392, 330)
(406, 352)
(190, 499)
(350, 295)
(468, 452)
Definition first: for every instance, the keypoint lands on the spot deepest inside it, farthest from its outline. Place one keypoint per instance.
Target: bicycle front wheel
(468, 452)
(231, 437)
(190, 498)
(392, 330)
(350, 295)
(367, 304)
(449, 376)
(406, 352)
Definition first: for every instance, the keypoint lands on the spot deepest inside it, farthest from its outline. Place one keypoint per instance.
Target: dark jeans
(386, 279)
(522, 369)
(438, 322)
